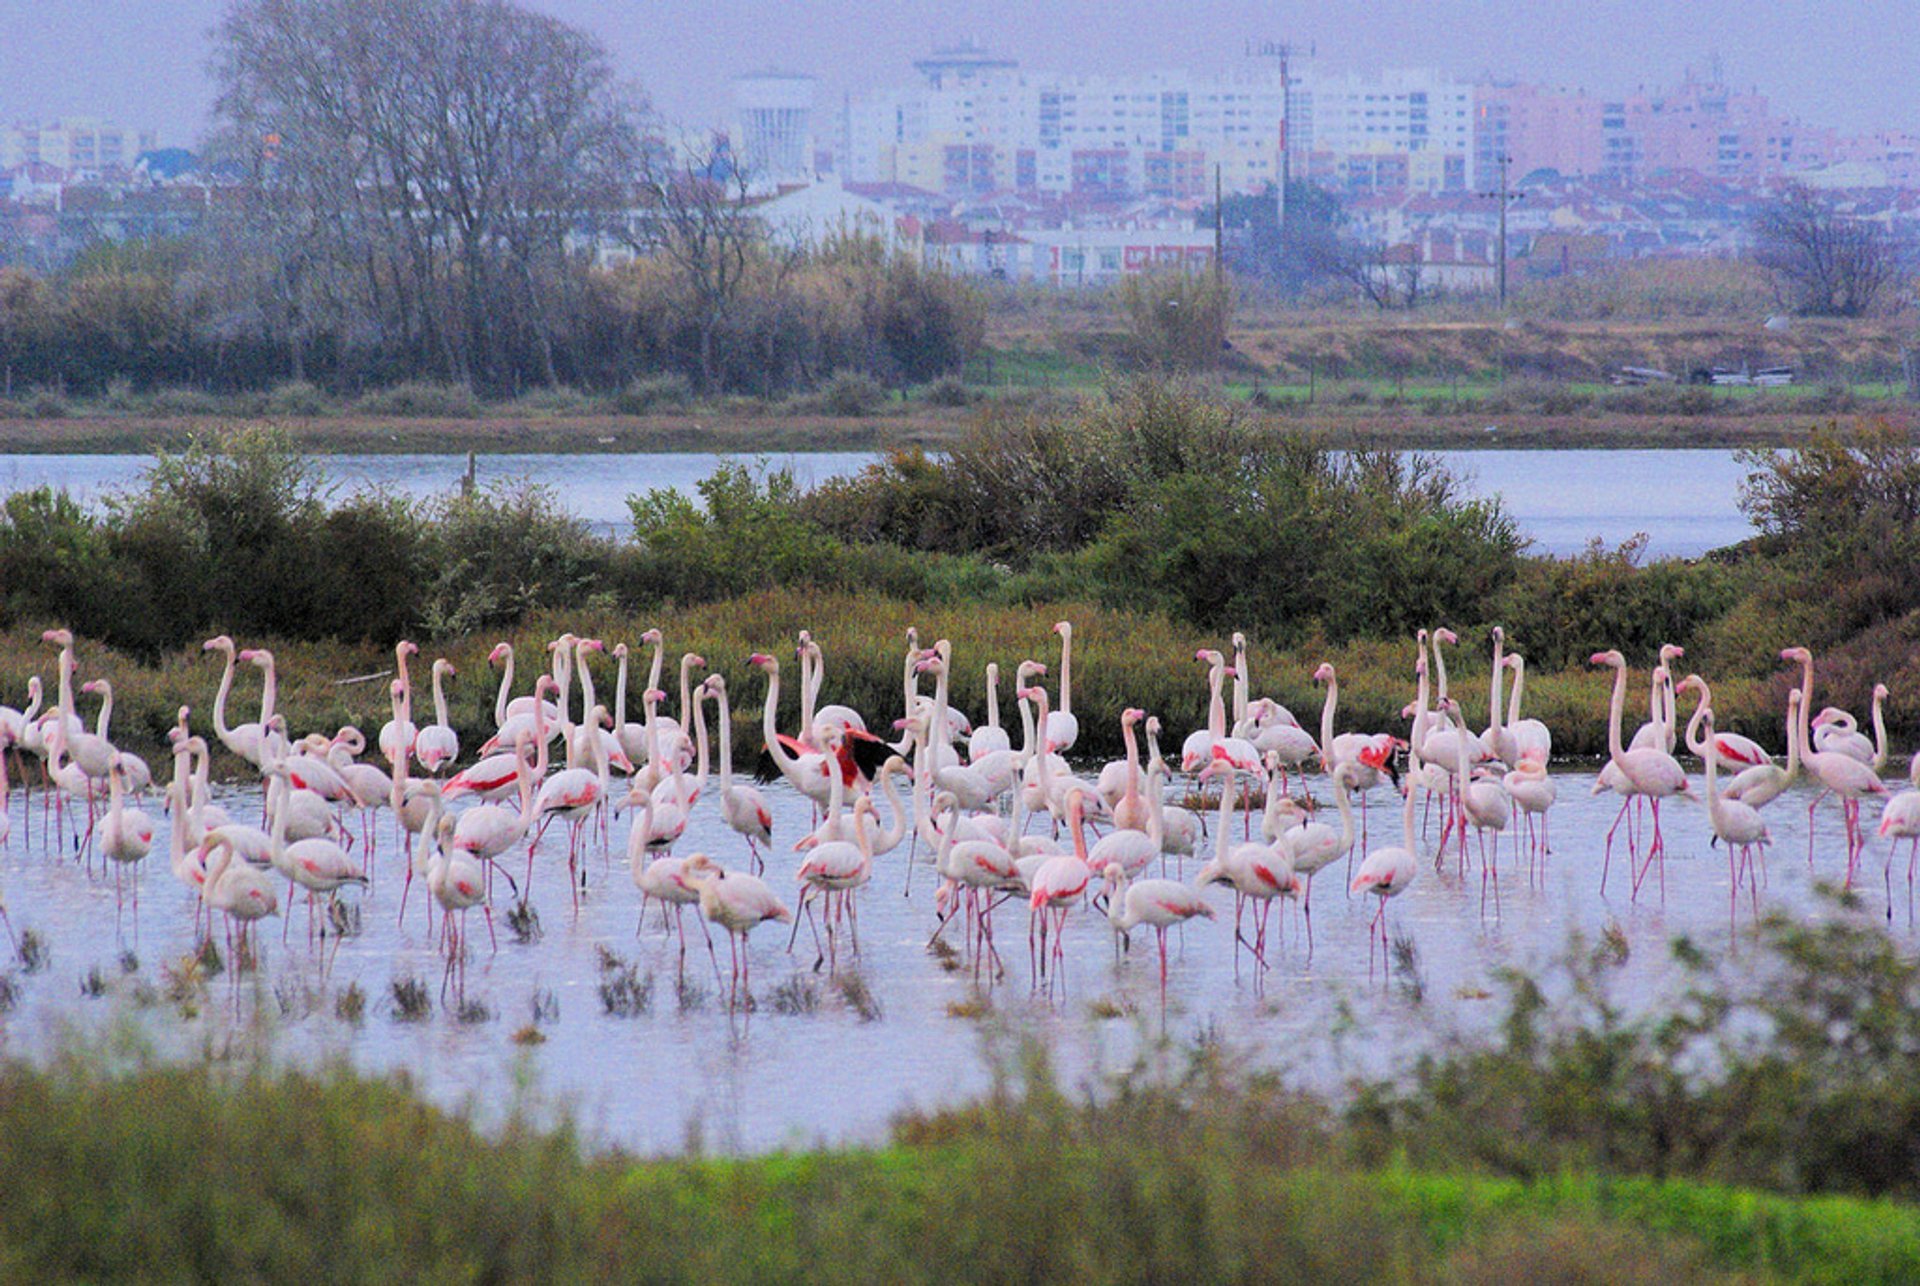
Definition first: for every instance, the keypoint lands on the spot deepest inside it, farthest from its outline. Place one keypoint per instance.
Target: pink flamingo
(1647, 771)
(1387, 873)
(1056, 885)
(738, 903)
(1159, 903)
(1838, 772)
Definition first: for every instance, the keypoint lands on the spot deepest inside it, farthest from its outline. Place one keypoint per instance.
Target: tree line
(445, 190)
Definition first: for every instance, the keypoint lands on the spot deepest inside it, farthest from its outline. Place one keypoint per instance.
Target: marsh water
(826, 1056)
(1687, 502)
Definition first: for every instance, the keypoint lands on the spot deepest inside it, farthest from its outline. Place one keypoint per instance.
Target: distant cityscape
(985, 167)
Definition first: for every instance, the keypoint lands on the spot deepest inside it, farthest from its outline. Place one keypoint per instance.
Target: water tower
(774, 114)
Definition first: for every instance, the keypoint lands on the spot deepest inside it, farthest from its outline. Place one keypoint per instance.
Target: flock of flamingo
(1108, 841)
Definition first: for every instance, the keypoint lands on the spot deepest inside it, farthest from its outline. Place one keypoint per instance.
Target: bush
(850, 393)
(297, 397)
(505, 552)
(1176, 320)
(949, 390)
(422, 398)
(654, 394)
(1565, 609)
(46, 404)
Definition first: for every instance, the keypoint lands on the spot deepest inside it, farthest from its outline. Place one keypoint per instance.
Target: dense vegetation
(1162, 513)
(1761, 1128)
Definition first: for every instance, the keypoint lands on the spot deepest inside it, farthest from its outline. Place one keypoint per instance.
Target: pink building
(1539, 127)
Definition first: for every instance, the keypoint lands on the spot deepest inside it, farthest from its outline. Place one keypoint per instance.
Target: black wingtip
(765, 771)
(870, 756)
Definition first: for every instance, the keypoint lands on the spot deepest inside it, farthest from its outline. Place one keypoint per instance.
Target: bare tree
(697, 216)
(1384, 278)
(419, 171)
(1824, 264)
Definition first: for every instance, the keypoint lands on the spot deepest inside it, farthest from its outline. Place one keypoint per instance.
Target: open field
(1433, 381)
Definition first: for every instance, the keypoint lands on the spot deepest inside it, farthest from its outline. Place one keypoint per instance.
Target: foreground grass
(1120, 659)
(222, 1173)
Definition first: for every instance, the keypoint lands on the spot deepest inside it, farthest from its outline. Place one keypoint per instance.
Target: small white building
(815, 213)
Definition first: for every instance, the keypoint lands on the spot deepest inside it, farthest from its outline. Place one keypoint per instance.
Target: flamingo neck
(1066, 673)
(1493, 685)
(1216, 708)
(993, 696)
(1326, 714)
(1513, 695)
(726, 741)
(1616, 710)
(506, 689)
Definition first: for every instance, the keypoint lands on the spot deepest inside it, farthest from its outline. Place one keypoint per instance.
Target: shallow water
(1686, 501)
(772, 1077)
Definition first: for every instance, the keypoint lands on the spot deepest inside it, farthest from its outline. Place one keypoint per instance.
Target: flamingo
(1313, 847)
(743, 808)
(834, 870)
(989, 738)
(1735, 752)
(1159, 903)
(1761, 784)
(489, 830)
(1647, 771)
(1214, 745)
(972, 871)
(1274, 734)
(1180, 828)
(316, 864)
(809, 771)
(1837, 771)
(437, 745)
(1530, 736)
(1900, 820)
(572, 794)
(1260, 872)
(1130, 811)
(1837, 731)
(738, 903)
(244, 739)
(398, 733)
(1062, 729)
(1387, 873)
(1485, 804)
(814, 668)
(1533, 792)
(458, 884)
(237, 889)
(1056, 885)
(126, 834)
(1371, 754)
(1739, 826)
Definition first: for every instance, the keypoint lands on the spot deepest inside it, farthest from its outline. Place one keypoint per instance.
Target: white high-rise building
(773, 114)
(980, 123)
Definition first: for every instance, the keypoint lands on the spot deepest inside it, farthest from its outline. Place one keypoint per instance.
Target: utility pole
(1219, 225)
(1504, 196)
(1282, 51)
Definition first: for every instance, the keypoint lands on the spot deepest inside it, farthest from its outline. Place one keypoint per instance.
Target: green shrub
(422, 398)
(850, 393)
(47, 404)
(297, 397)
(506, 551)
(654, 394)
(948, 390)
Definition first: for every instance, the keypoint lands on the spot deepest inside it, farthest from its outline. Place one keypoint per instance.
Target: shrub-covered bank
(1578, 1144)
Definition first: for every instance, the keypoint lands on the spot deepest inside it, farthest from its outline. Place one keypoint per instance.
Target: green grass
(221, 1172)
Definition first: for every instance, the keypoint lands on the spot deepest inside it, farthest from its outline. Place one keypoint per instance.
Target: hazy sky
(1848, 63)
